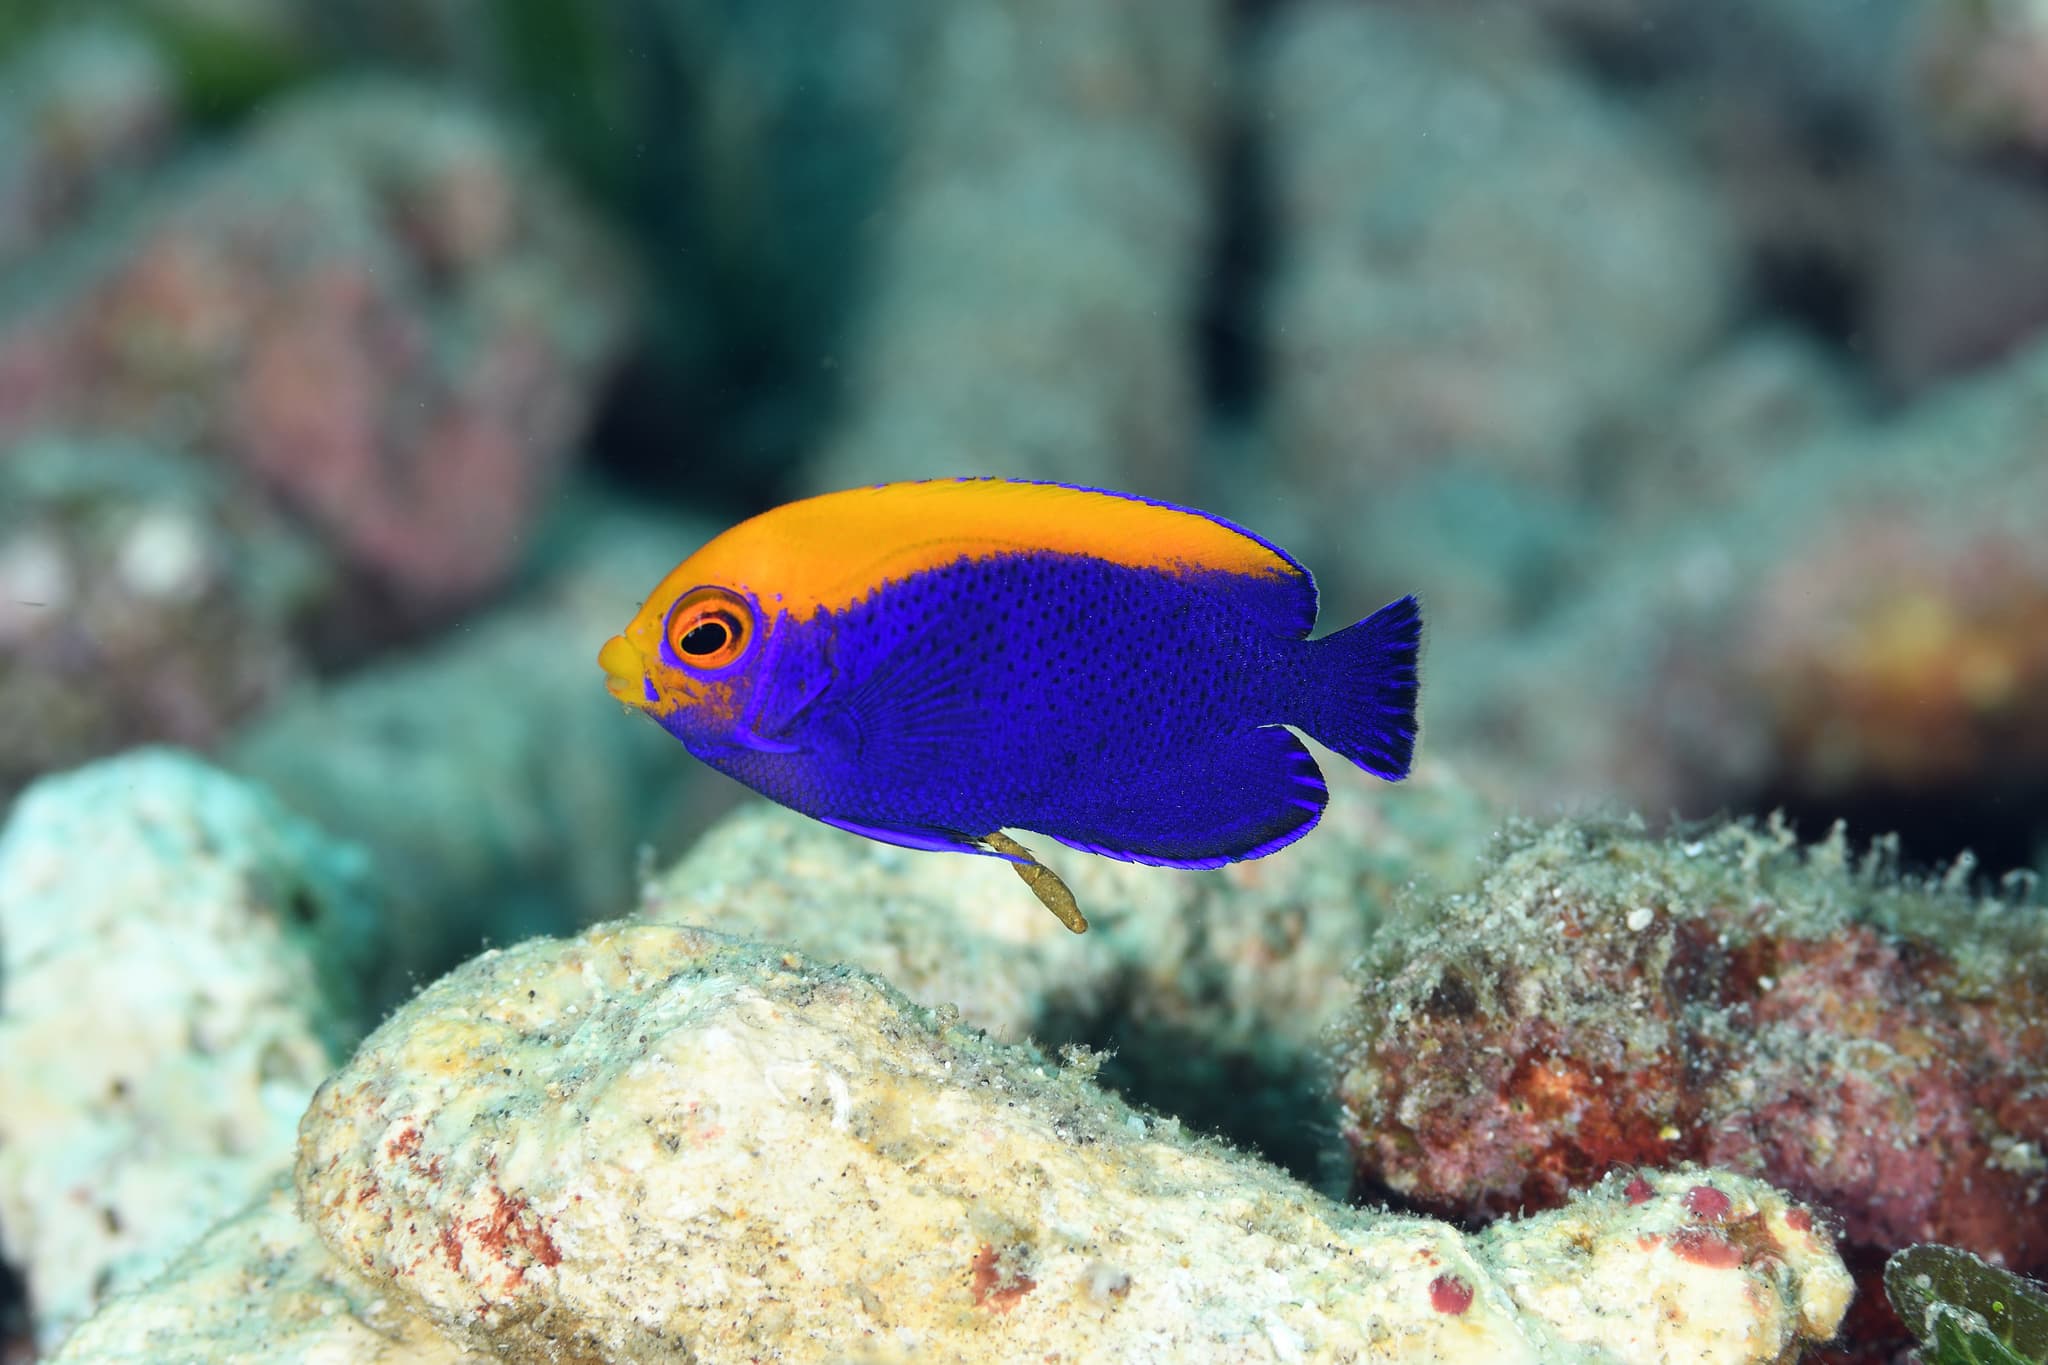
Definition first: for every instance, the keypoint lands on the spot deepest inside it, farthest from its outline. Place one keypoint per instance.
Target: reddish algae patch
(507, 1226)
(1704, 1201)
(996, 1286)
(1704, 1247)
(1449, 1294)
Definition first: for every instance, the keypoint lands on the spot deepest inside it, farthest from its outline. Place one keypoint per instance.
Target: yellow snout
(625, 671)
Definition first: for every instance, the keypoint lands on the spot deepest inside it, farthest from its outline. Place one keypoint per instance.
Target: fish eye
(705, 638)
(708, 627)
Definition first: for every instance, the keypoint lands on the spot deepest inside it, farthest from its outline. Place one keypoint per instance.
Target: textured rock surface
(1874, 1045)
(142, 598)
(378, 303)
(498, 790)
(259, 1289)
(650, 1143)
(203, 944)
(1038, 262)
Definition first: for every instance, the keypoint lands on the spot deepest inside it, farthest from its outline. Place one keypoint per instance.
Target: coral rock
(1984, 71)
(1482, 258)
(1875, 1046)
(498, 794)
(204, 944)
(258, 1289)
(650, 1143)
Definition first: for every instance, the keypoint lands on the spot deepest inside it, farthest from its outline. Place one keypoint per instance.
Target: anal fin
(1235, 797)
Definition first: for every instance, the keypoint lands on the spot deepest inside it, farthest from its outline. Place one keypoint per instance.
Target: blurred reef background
(362, 364)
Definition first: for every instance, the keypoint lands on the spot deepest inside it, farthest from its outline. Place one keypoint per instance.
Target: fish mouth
(625, 671)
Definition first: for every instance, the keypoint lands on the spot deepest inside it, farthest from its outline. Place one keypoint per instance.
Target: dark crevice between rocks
(1812, 291)
(658, 432)
(1277, 1104)
(1230, 356)
(17, 1344)
(2005, 827)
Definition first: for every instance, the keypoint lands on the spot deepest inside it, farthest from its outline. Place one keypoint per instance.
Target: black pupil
(706, 637)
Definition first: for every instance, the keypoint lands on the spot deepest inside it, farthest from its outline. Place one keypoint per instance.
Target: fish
(931, 663)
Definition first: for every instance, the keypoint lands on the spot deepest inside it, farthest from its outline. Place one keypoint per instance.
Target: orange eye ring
(708, 628)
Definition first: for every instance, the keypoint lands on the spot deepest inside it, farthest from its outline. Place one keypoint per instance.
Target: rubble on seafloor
(1875, 1045)
(651, 1142)
(1845, 625)
(179, 967)
(1864, 149)
(1865, 625)
(1981, 72)
(1445, 289)
(1672, 260)
(512, 1156)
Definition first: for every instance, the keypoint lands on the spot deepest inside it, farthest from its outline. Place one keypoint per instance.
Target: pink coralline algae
(377, 303)
(1875, 1046)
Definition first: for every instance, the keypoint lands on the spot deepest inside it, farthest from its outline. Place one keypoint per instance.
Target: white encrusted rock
(650, 1143)
(177, 957)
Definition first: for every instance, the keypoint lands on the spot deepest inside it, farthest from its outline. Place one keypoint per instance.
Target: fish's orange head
(688, 658)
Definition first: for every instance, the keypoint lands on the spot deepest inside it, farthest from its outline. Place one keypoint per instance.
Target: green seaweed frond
(1967, 1312)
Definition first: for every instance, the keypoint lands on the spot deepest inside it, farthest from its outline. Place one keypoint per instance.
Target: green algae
(1965, 1311)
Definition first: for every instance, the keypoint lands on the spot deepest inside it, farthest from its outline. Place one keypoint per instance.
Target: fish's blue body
(1131, 709)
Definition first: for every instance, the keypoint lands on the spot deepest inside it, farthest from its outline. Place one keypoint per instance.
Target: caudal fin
(1360, 694)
